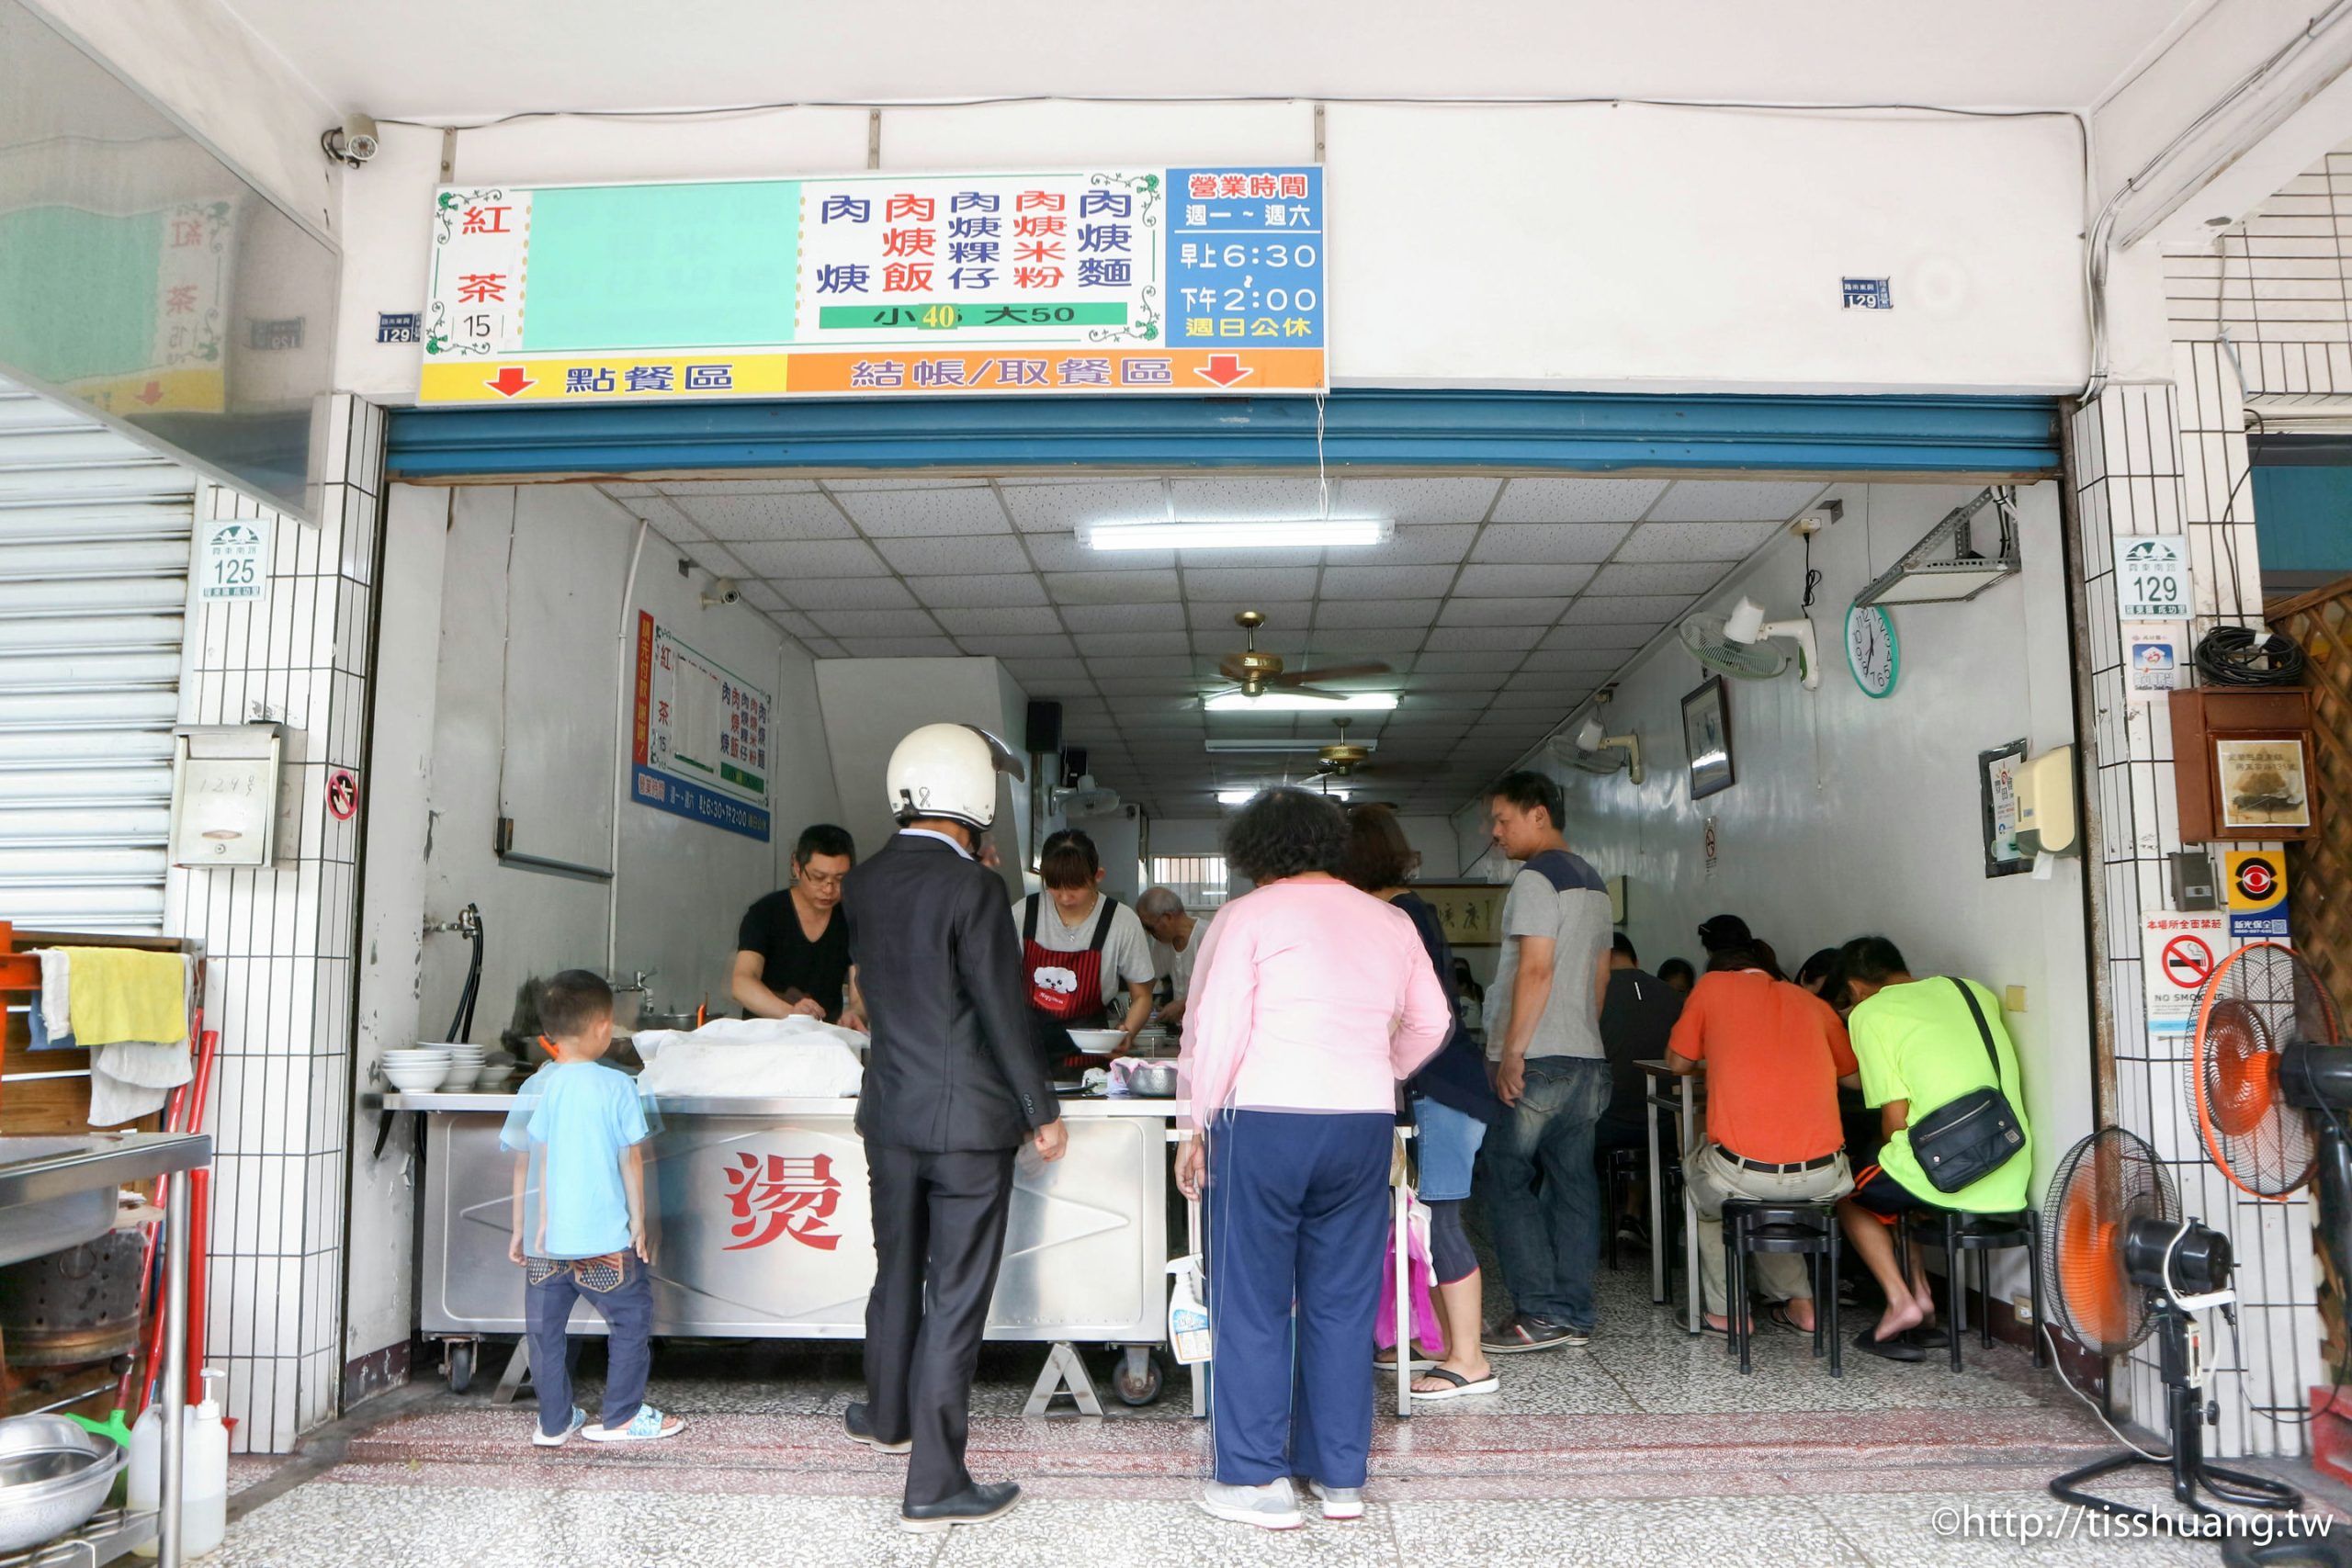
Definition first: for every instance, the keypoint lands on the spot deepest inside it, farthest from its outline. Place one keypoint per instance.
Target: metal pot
(53, 1475)
(1152, 1080)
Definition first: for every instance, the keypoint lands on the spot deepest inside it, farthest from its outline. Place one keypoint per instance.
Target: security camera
(722, 591)
(353, 143)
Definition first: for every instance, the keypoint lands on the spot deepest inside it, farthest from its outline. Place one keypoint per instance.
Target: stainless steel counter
(762, 1224)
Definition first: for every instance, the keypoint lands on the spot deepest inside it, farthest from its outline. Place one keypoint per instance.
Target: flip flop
(1463, 1387)
(1928, 1338)
(1778, 1316)
(1893, 1350)
(1420, 1363)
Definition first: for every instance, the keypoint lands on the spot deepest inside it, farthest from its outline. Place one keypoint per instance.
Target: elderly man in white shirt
(1176, 938)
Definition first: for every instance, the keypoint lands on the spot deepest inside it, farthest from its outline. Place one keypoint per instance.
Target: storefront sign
(2177, 955)
(701, 735)
(2152, 577)
(233, 557)
(1142, 281)
(2255, 891)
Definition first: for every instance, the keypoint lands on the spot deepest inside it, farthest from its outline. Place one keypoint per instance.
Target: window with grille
(1199, 880)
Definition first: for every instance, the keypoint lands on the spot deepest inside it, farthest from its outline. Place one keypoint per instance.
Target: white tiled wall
(280, 942)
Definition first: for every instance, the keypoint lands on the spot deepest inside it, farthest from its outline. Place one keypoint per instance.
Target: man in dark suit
(954, 1086)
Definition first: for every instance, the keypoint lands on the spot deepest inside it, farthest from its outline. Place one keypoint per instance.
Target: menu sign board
(700, 744)
(1195, 280)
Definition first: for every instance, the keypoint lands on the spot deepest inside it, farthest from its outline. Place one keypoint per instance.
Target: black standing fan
(2122, 1264)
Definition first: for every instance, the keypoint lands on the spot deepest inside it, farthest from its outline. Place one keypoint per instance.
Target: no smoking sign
(2177, 955)
(2187, 961)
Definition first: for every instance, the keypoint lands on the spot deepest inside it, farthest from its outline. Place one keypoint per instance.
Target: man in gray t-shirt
(1543, 1033)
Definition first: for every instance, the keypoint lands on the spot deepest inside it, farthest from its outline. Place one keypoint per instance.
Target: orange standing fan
(2122, 1264)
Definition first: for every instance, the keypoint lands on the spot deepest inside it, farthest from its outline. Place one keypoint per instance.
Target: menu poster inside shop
(701, 735)
(1198, 280)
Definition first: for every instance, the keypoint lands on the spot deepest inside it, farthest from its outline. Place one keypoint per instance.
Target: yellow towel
(123, 993)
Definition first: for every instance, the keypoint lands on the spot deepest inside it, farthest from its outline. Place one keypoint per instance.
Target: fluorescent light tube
(1244, 796)
(1368, 743)
(1293, 701)
(1272, 533)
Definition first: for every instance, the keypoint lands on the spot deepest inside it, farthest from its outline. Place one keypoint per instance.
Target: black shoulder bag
(1965, 1140)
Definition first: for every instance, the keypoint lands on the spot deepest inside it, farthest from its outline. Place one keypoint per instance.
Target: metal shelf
(111, 1533)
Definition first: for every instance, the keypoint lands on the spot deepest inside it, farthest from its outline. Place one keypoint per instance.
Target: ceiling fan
(1257, 673)
(1342, 758)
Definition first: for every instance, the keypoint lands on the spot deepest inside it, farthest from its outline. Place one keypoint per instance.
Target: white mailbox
(224, 794)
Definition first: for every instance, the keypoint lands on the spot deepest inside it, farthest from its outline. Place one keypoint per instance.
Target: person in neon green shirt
(1920, 1049)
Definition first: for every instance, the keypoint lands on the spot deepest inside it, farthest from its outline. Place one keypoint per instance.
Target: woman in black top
(792, 951)
(1454, 1104)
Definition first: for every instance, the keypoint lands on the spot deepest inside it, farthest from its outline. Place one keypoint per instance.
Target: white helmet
(949, 770)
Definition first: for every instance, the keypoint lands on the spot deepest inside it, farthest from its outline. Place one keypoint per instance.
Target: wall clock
(1871, 652)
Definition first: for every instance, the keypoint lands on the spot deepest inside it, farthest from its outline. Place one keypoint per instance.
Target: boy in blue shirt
(579, 1129)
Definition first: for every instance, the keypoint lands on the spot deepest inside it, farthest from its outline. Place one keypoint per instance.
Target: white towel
(135, 1078)
(56, 993)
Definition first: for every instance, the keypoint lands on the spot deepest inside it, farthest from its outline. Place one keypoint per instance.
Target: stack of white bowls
(494, 1072)
(417, 1069)
(465, 1064)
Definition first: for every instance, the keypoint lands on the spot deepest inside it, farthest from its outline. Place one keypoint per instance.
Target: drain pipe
(624, 748)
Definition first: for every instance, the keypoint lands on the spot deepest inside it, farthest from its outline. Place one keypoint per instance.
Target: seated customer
(1774, 1054)
(1637, 1014)
(1920, 1049)
(1678, 976)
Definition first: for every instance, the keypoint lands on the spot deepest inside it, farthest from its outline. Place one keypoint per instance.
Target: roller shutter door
(95, 537)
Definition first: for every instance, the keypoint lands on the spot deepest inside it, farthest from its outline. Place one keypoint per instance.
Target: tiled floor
(1647, 1447)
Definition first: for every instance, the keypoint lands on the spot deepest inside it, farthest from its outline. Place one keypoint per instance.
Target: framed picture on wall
(1470, 912)
(1706, 738)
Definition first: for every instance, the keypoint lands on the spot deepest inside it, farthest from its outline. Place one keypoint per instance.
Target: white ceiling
(1501, 604)
(463, 59)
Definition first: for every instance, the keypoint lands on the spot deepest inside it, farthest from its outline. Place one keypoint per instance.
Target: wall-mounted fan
(1596, 751)
(1084, 798)
(1735, 645)
(2121, 1263)
(1258, 673)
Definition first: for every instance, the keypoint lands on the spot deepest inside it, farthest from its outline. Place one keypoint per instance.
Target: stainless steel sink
(60, 1191)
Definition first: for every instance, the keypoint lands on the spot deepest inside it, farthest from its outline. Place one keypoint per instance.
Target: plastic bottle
(147, 1469)
(1188, 1319)
(204, 1490)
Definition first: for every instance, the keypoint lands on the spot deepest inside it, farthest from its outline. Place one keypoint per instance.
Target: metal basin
(52, 1217)
(53, 1476)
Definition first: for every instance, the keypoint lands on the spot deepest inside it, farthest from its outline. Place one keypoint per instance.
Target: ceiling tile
(1539, 543)
(1452, 500)
(1500, 612)
(1626, 637)
(827, 648)
(1000, 645)
(1386, 581)
(1658, 577)
(798, 625)
(816, 558)
(932, 557)
(1224, 499)
(1558, 660)
(1064, 552)
(1577, 499)
(1431, 545)
(668, 520)
(1696, 541)
(1034, 620)
(844, 592)
(1532, 694)
(717, 559)
(1457, 680)
(759, 596)
(1062, 507)
(899, 648)
(1124, 617)
(1252, 583)
(899, 514)
(1117, 686)
(848, 624)
(1520, 581)
(795, 515)
(774, 486)
(1375, 613)
(1285, 632)
(1136, 653)
(1489, 662)
(983, 590)
(1735, 500)
(1036, 675)
(1624, 609)
(1386, 642)
(905, 481)
(627, 489)
(1110, 587)
(1482, 638)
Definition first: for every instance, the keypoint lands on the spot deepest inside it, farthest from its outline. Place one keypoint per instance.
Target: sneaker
(540, 1439)
(1524, 1331)
(1273, 1506)
(1339, 1501)
(646, 1426)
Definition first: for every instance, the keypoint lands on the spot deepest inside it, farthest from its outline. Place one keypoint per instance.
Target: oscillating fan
(1734, 644)
(2122, 1264)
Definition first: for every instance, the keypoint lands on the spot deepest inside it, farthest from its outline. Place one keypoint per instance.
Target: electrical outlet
(2024, 1306)
(2013, 998)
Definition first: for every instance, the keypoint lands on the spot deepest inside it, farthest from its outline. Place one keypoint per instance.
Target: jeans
(624, 1298)
(1549, 1242)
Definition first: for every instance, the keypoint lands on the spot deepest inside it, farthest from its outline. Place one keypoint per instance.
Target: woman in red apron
(1077, 945)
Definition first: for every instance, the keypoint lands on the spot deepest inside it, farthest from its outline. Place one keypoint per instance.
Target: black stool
(1809, 1230)
(1960, 1234)
(1622, 1180)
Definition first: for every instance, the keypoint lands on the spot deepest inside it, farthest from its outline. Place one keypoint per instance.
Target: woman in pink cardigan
(1310, 1002)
